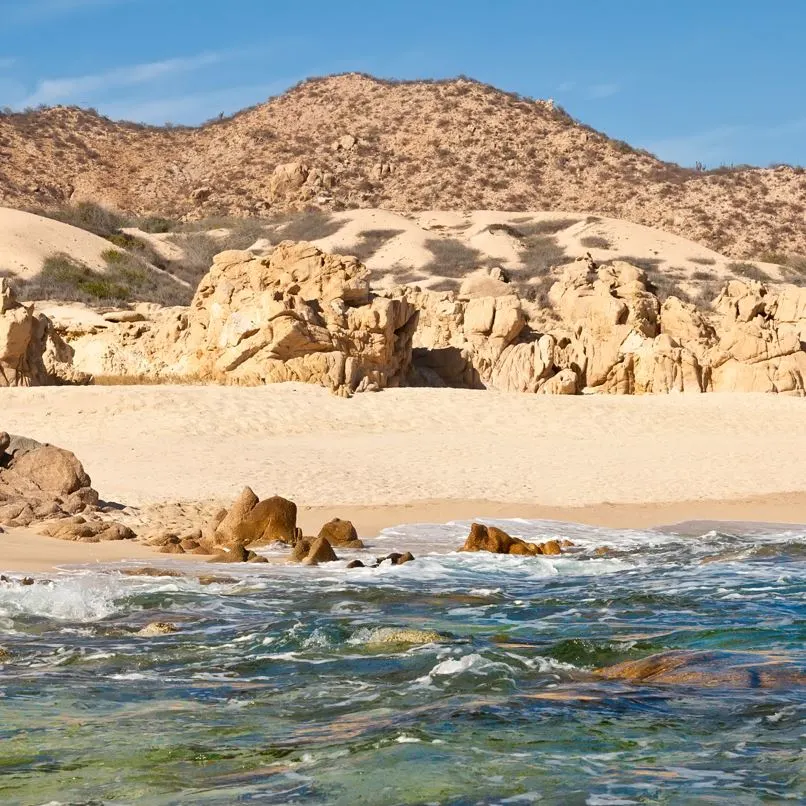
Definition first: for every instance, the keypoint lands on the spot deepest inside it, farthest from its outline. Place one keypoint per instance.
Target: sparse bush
(156, 225)
(702, 275)
(127, 279)
(549, 226)
(595, 242)
(87, 216)
(540, 254)
(748, 270)
(703, 261)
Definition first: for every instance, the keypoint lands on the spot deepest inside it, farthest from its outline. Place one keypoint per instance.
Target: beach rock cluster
(32, 353)
(43, 484)
(47, 486)
(613, 335)
(228, 534)
(299, 314)
(497, 541)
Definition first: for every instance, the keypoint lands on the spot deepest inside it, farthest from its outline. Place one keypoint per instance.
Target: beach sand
(420, 455)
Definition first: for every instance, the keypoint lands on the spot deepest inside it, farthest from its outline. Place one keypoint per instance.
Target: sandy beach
(420, 455)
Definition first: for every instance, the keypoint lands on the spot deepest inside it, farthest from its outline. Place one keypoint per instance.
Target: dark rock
(355, 564)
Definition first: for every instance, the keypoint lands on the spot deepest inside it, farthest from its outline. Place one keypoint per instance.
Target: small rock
(320, 552)
(150, 571)
(355, 564)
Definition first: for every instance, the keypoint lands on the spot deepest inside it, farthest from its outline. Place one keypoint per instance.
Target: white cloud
(603, 90)
(7, 63)
(194, 108)
(716, 146)
(56, 90)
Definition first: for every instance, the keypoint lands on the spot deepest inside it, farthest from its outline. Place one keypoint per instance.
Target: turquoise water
(276, 688)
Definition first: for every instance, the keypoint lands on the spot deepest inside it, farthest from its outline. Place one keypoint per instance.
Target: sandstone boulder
(341, 533)
(31, 352)
(320, 551)
(250, 520)
(51, 470)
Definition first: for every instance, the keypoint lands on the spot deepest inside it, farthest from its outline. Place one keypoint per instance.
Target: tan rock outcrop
(31, 352)
(297, 315)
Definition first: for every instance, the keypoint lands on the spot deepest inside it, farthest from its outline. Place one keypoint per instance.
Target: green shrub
(748, 270)
(127, 279)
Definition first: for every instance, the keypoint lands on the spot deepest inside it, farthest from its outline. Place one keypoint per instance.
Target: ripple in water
(460, 678)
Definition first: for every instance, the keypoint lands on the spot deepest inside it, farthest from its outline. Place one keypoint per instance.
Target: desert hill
(354, 141)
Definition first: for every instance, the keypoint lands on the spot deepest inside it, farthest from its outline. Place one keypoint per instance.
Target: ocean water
(282, 687)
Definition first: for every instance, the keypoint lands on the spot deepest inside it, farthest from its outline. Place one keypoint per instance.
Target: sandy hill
(442, 250)
(354, 141)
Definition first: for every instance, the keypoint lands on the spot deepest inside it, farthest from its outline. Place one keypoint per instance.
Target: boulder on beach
(318, 551)
(341, 533)
(250, 520)
(44, 484)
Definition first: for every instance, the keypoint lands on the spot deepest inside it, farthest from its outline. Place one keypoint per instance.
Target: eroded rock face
(31, 352)
(300, 314)
(297, 315)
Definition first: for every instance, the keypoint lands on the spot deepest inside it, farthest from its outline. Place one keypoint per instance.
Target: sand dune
(26, 240)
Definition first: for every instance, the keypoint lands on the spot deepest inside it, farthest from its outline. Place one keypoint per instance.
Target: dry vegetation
(420, 145)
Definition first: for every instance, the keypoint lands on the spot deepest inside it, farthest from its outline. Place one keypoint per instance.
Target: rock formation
(300, 314)
(249, 521)
(341, 533)
(45, 485)
(612, 335)
(297, 315)
(497, 541)
(31, 352)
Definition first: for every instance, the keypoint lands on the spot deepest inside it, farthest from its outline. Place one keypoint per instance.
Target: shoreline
(26, 551)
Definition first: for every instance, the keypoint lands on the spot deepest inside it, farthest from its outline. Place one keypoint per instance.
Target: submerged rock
(155, 628)
(402, 635)
(712, 669)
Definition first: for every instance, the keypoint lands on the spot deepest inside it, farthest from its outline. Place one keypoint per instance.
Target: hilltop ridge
(352, 140)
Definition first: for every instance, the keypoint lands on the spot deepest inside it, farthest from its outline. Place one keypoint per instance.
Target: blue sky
(715, 81)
